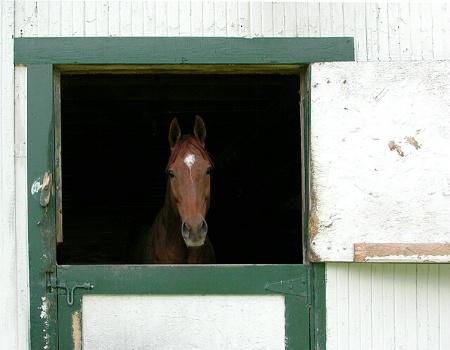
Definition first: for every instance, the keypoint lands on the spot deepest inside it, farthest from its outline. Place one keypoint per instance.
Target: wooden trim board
(182, 50)
(402, 252)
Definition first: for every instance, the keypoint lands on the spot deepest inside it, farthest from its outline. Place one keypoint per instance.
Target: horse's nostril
(203, 228)
(185, 229)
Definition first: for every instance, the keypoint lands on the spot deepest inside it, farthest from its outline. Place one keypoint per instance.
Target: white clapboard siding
(368, 306)
(388, 306)
(21, 215)
(10, 336)
(382, 31)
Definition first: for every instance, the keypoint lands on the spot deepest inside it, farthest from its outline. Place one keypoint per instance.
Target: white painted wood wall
(368, 306)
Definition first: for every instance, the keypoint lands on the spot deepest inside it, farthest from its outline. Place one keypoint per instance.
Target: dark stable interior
(115, 149)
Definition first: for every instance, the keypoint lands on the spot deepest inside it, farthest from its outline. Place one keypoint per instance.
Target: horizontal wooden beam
(402, 252)
(182, 50)
(181, 69)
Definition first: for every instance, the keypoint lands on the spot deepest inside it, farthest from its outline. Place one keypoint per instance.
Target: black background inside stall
(115, 149)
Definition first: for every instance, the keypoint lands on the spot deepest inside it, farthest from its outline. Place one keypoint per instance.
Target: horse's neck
(194, 255)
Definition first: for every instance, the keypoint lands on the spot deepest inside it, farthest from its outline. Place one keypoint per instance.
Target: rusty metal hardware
(296, 286)
(53, 283)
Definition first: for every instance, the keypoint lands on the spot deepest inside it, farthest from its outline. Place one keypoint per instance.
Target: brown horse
(179, 232)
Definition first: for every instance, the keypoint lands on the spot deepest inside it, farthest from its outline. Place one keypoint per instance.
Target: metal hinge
(54, 283)
(296, 286)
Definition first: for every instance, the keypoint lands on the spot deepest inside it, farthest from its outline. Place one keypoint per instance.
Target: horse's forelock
(183, 144)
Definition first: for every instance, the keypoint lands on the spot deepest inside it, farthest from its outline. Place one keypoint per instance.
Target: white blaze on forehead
(189, 160)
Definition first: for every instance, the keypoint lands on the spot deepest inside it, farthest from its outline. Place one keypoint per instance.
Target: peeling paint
(409, 258)
(44, 308)
(36, 187)
(76, 330)
(47, 341)
(45, 316)
(393, 146)
(413, 142)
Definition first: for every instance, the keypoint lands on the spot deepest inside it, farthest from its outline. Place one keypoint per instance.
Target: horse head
(188, 171)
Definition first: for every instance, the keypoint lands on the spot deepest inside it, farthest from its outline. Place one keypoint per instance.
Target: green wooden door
(56, 292)
(188, 280)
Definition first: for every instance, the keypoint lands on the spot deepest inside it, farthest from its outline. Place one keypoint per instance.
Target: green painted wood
(317, 284)
(70, 319)
(41, 233)
(297, 321)
(182, 50)
(188, 280)
(318, 306)
(317, 279)
(306, 139)
(133, 279)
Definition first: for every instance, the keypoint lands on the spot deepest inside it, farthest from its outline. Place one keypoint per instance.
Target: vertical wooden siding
(382, 31)
(388, 306)
(13, 322)
(368, 306)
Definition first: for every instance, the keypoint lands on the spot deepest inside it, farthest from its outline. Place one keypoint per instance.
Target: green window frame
(41, 56)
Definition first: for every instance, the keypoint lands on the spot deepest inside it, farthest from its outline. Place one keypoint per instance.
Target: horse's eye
(170, 173)
(208, 171)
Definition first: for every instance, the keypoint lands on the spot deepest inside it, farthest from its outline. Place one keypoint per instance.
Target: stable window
(114, 150)
(97, 120)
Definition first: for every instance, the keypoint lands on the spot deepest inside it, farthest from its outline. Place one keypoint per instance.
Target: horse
(179, 233)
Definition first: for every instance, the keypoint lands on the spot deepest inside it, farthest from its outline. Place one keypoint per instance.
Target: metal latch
(296, 286)
(53, 283)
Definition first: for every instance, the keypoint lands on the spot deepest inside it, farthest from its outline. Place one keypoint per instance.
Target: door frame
(44, 56)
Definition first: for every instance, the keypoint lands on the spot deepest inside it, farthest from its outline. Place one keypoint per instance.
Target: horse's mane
(184, 142)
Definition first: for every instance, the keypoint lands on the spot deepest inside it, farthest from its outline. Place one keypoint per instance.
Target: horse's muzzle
(194, 236)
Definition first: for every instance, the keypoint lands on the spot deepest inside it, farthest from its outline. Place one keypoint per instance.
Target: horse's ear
(200, 130)
(174, 133)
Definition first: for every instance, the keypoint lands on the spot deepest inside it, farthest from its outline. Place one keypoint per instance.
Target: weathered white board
(380, 155)
(183, 322)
